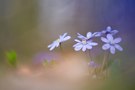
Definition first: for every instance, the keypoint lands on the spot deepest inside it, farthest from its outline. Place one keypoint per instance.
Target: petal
(108, 28)
(77, 44)
(106, 46)
(64, 35)
(60, 37)
(115, 32)
(66, 38)
(104, 31)
(77, 48)
(52, 47)
(118, 47)
(77, 40)
(89, 46)
(89, 35)
(112, 49)
(92, 43)
(110, 37)
(117, 40)
(97, 34)
(104, 40)
(81, 36)
(56, 44)
(84, 48)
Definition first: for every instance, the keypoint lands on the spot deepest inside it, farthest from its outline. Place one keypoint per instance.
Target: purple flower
(93, 64)
(56, 43)
(110, 31)
(89, 35)
(84, 45)
(45, 57)
(111, 43)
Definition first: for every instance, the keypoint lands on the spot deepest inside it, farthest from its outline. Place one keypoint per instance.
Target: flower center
(112, 43)
(58, 40)
(108, 32)
(84, 41)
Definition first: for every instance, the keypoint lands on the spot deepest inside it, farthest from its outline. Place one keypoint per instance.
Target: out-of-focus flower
(111, 43)
(89, 35)
(93, 64)
(45, 57)
(56, 43)
(84, 45)
(110, 31)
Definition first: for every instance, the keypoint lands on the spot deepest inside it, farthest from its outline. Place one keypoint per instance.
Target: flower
(56, 43)
(45, 57)
(84, 44)
(110, 31)
(93, 64)
(111, 43)
(89, 35)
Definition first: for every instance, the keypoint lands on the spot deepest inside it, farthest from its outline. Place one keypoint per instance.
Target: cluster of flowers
(86, 42)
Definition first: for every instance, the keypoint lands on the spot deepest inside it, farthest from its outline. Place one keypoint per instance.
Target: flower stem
(61, 49)
(104, 64)
(90, 56)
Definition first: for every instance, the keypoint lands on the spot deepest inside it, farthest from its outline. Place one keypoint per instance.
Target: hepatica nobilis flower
(93, 64)
(111, 43)
(56, 43)
(110, 31)
(84, 45)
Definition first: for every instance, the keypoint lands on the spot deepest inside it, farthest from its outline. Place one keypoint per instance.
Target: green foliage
(11, 57)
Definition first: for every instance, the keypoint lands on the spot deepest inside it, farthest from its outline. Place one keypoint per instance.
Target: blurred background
(28, 26)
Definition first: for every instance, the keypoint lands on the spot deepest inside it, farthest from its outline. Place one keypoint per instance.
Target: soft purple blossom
(56, 43)
(45, 57)
(110, 31)
(84, 45)
(93, 64)
(111, 43)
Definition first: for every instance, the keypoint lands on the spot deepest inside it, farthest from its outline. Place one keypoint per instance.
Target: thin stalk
(90, 56)
(104, 64)
(61, 49)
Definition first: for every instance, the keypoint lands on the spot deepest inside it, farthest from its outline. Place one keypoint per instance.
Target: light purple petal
(77, 48)
(118, 47)
(115, 32)
(97, 34)
(56, 44)
(84, 48)
(117, 40)
(89, 46)
(109, 37)
(77, 44)
(50, 45)
(104, 40)
(106, 46)
(104, 31)
(81, 36)
(93, 43)
(64, 35)
(112, 49)
(66, 38)
(53, 46)
(89, 35)
(77, 40)
(60, 37)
